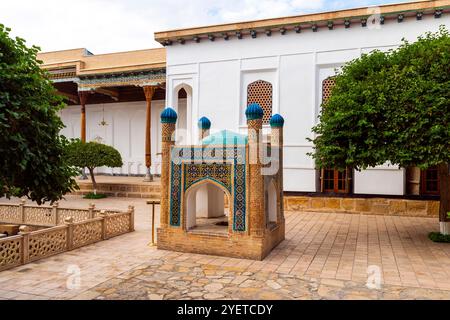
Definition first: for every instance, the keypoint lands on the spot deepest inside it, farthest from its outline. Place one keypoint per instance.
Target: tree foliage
(31, 149)
(389, 107)
(92, 155)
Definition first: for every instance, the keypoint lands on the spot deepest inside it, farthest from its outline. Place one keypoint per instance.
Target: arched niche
(204, 205)
(271, 203)
(182, 102)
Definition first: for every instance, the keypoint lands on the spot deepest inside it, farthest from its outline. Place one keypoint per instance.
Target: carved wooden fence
(44, 216)
(68, 229)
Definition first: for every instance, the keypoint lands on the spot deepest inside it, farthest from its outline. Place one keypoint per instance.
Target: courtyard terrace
(324, 256)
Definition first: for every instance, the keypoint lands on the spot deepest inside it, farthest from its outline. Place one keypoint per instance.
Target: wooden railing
(65, 232)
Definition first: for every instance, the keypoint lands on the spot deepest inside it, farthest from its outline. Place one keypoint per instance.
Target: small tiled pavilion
(196, 178)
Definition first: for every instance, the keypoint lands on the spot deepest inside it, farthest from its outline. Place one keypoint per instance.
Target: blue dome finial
(254, 111)
(204, 123)
(169, 116)
(276, 121)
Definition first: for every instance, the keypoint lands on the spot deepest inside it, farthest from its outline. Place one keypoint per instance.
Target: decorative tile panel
(220, 173)
(226, 165)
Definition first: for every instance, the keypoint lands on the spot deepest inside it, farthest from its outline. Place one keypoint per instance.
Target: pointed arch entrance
(205, 207)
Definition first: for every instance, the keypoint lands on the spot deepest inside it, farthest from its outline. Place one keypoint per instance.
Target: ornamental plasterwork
(117, 224)
(10, 214)
(86, 233)
(132, 79)
(10, 253)
(86, 84)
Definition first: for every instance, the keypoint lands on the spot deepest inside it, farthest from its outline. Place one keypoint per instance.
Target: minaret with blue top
(204, 124)
(276, 142)
(257, 221)
(168, 122)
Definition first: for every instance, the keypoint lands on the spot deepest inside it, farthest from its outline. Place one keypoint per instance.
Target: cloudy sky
(104, 26)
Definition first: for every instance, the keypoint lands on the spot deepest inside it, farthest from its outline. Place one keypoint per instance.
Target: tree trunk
(444, 178)
(94, 183)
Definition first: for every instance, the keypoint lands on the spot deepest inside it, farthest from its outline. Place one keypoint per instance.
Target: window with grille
(335, 181)
(261, 92)
(429, 181)
(327, 87)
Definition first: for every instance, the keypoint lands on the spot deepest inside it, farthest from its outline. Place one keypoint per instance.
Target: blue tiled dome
(254, 111)
(224, 138)
(276, 121)
(204, 123)
(168, 116)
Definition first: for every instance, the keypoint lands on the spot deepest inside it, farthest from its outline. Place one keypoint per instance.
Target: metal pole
(153, 203)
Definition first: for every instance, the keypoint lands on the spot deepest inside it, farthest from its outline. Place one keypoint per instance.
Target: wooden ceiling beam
(108, 92)
(71, 97)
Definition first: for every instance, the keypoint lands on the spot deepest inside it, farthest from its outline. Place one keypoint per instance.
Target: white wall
(218, 73)
(125, 131)
(380, 180)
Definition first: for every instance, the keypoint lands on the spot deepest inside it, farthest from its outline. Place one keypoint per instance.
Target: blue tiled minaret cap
(169, 116)
(276, 121)
(204, 123)
(254, 111)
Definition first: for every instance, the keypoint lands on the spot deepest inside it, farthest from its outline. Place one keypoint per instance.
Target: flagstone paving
(324, 256)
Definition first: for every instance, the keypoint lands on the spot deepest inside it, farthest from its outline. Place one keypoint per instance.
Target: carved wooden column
(83, 95)
(149, 91)
(254, 114)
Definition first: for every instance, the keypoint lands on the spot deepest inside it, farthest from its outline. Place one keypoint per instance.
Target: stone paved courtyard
(325, 256)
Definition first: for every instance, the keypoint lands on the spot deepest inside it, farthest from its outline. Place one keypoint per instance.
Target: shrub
(95, 196)
(91, 155)
(439, 237)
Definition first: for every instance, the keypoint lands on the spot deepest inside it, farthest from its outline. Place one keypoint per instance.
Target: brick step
(138, 195)
(123, 190)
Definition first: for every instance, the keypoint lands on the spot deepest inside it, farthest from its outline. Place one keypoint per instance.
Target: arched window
(182, 109)
(332, 180)
(261, 92)
(327, 87)
(182, 100)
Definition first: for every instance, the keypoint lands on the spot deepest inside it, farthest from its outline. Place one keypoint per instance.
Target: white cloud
(118, 25)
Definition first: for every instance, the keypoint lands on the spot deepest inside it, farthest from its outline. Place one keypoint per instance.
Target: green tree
(391, 107)
(92, 155)
(31, 149)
